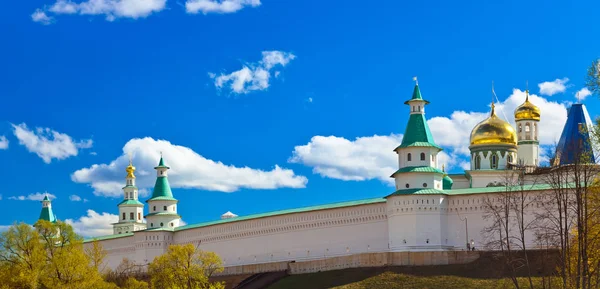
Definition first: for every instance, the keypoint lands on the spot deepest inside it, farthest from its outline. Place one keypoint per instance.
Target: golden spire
(130, 169)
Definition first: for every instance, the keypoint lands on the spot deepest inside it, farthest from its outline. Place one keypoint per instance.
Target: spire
(162, 189)
(417, 131)
(47, 214)
(575, 139)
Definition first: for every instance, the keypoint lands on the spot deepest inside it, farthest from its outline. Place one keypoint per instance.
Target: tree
(592, 80)
(132, 283)
(96, 254)
(185, 267)
(22, 257)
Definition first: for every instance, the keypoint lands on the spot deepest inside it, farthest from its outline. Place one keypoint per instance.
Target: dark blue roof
(575, 138)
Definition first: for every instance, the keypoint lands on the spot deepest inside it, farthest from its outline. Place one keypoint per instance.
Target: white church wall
(460, 181)
(300, 236)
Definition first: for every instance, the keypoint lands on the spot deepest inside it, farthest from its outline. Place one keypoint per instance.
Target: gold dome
(493, 130)
(130, 169)
(527, 110)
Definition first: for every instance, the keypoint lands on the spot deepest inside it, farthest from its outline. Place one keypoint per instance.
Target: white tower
(162, 206)
(527, 118)
(130, 209)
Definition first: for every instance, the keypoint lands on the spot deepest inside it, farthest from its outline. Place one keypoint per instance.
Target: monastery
(429, 211)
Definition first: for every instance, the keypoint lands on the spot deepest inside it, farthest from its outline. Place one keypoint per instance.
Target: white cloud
(3, 142)
(93, 224)
(188, 170)
(363, 158)
(553, 87)
(111, 9)
(75, 198)
(41, 17)
(32, 197)
(218, 6)
(49, 144)
(255, 76)
(310, 99)
(583, 93)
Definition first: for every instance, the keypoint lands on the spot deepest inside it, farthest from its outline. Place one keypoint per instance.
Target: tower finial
(578, 98)
(444, 168)
(130, 158)
(527, 90)
(416, 80)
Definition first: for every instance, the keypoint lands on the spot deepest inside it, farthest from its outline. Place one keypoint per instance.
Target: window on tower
(161, 224)
(422, 156)
(139, 216)
(494, 162)
(123, 216)
(478, 162)
(164, 208)
(409, 157)
(131, 216)
(154, 209)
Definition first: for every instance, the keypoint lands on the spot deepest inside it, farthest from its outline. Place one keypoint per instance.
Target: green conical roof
(161, 164)
(416, 95)
(47, 214)
(162, 189)
(46, 198)
(417, 133)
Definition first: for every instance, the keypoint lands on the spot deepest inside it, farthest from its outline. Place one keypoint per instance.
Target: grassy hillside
(387, 279)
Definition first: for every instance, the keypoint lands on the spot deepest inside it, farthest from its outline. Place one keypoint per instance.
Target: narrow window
(409, 157)
(139, 216)
(520, 128)
(164, 208)
(478, 162)
(422, 156)
(123, 216)
(154, 209)
(131, 216)
(509, 158)
(151, 225)
(527, 127)
(494, 162)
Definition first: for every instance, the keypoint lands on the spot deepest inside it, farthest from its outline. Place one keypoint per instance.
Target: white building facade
(429, 210)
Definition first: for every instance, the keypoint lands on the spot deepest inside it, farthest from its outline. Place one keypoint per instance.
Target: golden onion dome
(527, 110)
(493, 130)
(130, 169)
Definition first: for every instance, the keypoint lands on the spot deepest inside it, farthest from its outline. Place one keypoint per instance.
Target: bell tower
(131, 210)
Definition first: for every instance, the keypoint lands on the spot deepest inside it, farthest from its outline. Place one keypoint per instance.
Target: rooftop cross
(416, 80)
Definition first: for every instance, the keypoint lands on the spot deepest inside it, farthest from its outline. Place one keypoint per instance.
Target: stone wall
(360, 260)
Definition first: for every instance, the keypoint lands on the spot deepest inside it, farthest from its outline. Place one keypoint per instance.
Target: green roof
(162, 199)
(447, 182)
(161, 164)
(102, 238)
(284, 212)
(129, 186)
(162, 189)
(536, 187)
(131, 203)
(417, 133)
(416, 95)
(418, 169)
(161, 229)
(46, 198)
(47, 214)
(418, 191)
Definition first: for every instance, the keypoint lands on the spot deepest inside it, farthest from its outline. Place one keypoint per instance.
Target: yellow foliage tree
(185, 267)
(22, 257)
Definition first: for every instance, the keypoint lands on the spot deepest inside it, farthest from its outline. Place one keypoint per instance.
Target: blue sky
(261, 105)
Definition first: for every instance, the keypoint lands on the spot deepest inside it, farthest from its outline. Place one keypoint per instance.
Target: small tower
(130, 209)
(47, 214)
(162, 206)
(527, 118)
(417, 154)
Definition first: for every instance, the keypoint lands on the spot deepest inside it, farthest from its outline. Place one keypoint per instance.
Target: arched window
(154, 209)
(520, 128)
(123, 216)
(131, 216)
(509, 158)
(494, 162)
(409, 157)
(527, 129)
(164, 208)
(422, 156)
(477, 162)
(151, 225)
